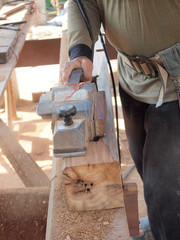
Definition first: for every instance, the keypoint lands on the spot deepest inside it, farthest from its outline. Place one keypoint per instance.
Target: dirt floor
(34, 134)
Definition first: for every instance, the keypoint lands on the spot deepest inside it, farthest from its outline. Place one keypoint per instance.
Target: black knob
(67, 111)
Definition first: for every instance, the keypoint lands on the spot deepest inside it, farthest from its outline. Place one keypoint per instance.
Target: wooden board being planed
(93, 181)
(9, 38)
(90, 182)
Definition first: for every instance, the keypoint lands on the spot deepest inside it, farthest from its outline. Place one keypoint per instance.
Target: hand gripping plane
(78, 112)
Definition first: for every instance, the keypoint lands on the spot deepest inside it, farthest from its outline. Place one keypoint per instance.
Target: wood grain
(9, 9)
(93, 187)
(8, 41)
(9, 38)
(131, 206)
(2, 17)
(7, 68)
(100, 111)
(27, 169)
(10, 103)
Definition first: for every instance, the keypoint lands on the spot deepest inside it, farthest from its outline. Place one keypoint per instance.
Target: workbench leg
(10, 103)
(63, 51)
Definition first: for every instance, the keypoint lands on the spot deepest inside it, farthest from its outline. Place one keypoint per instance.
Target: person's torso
(141, 27)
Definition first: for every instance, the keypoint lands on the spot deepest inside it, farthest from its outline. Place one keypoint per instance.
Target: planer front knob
(67, 111)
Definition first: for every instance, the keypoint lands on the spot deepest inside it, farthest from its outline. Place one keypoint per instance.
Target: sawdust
(70, 95)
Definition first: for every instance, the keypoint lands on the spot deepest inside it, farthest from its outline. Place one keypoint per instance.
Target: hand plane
(78, 112)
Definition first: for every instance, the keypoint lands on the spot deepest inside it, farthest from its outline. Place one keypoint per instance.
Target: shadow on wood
(23, 213)
(27, 169)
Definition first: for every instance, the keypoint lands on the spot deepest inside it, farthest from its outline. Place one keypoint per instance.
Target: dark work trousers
(154, 141)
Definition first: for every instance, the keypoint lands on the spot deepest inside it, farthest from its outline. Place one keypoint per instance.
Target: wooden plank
(2, 17)
(94, 180)
(7, 68)
(10, 103)
(23, 213)
(29, 172)
(33, 201)
(110, 136)
(91, 173)
(100, 113)
(130, 190)
(9, 38)
(9, 9)
(63, 56)
(131, 206)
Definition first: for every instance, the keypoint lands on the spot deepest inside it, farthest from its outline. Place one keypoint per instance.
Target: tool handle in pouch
(76, 76)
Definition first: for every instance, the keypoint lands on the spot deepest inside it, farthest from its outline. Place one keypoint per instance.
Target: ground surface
(34, 134)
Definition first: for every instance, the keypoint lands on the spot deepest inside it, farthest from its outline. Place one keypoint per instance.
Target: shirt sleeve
(80, 42)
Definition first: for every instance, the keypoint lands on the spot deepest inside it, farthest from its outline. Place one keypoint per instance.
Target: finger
(87, 67)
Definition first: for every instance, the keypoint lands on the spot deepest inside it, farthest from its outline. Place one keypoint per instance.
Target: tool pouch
(171, 60)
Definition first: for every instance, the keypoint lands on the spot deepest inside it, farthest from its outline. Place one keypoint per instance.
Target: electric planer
(78, 113)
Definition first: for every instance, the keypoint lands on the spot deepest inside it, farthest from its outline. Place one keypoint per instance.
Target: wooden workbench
(26, 168)
(17, 43)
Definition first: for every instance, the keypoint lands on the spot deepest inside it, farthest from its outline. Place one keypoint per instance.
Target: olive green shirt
(135, 27)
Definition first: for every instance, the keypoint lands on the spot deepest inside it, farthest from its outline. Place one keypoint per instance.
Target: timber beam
(27, 169)
(23, 213)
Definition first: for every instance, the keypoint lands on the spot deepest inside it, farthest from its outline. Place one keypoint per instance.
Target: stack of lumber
(11, 41)
(10, 14)
(9, 9)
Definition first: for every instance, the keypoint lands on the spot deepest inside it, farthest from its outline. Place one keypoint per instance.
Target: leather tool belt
(152, 67)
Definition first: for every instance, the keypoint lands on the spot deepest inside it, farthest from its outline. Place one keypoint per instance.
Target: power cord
(114, 92)
(88, 25)
(86, 20)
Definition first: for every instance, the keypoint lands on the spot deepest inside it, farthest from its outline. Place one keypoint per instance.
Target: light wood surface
(9, 9)
(9, 38)
(7, 68)
(94, 180)
(10, 103)
(27, 169)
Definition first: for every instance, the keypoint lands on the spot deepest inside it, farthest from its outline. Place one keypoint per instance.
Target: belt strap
(149, 66)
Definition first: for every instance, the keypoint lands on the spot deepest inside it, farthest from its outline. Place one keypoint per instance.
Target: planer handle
(76, 76)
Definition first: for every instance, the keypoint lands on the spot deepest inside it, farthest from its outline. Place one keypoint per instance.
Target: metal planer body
(78, 116)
